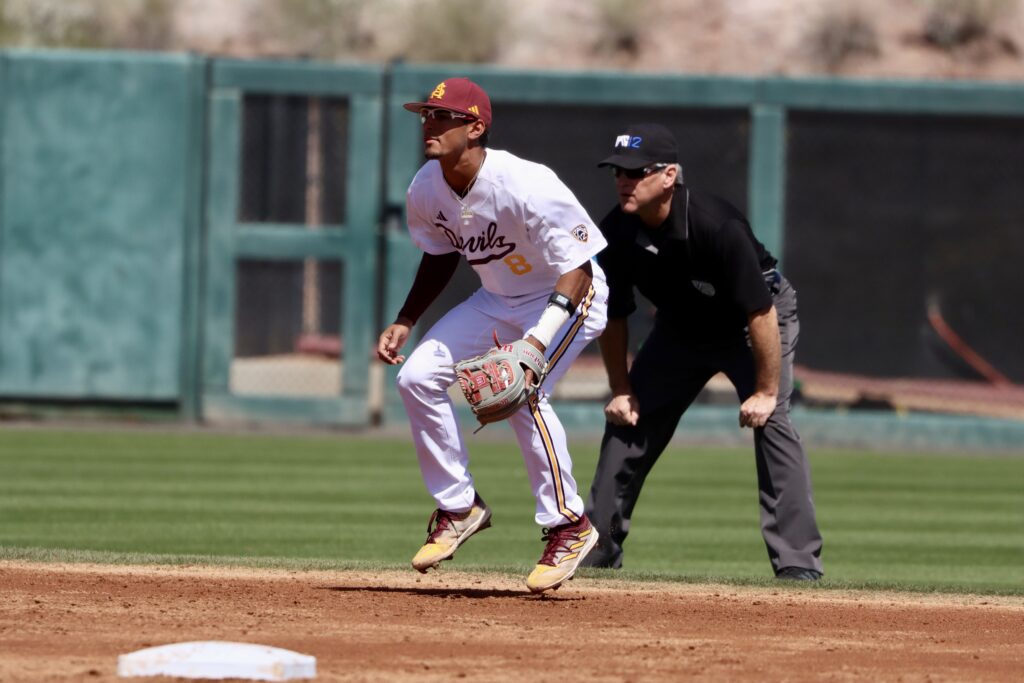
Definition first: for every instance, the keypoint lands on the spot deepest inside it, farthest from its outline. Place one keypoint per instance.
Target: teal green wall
(94, 223)
(118, 198)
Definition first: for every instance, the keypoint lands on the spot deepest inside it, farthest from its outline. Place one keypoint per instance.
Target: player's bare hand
(391, 341)
(756, 410)
(623, 410)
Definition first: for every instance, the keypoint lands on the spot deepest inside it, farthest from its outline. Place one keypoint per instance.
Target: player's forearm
(576, 283)
(570, 289)
(767, 349)
(431, 278)
(614, 342)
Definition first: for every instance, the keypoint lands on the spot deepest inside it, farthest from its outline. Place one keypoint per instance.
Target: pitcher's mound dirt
(70, 622)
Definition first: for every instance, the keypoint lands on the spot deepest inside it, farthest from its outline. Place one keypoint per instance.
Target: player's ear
(476, 129)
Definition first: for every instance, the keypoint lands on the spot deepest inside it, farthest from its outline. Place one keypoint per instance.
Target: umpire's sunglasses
(638, 173)
(441, 115)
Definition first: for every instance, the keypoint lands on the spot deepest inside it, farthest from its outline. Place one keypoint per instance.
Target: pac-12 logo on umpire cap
(631, 142)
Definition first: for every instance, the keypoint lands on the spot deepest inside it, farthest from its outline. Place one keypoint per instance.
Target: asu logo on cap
(459, 95)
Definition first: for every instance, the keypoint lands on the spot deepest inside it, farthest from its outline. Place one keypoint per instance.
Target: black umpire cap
(643, 144)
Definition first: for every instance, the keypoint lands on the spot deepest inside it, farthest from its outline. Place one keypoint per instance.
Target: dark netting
(903, 236)
(287, 327)
(294, 160)
(334, 148)
(280, 301)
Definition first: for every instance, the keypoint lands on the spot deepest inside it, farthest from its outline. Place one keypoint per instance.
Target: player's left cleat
(567, 546)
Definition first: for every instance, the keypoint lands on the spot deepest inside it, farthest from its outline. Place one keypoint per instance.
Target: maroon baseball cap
(460, 95)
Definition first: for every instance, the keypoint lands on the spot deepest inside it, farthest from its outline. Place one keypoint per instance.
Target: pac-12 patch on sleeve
(580, 232)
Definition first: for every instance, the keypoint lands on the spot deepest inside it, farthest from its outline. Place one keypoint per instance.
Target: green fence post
(3, 203)
(192, 262)
(767, 180)
(221, 203)
(362, 221)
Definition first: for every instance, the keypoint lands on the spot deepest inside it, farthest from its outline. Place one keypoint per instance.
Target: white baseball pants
(467, 331)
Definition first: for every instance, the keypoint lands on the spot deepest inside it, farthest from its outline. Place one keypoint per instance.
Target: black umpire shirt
(702, 268)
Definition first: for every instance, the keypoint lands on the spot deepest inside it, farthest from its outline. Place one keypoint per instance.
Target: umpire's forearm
(614, 342)
(766, 346)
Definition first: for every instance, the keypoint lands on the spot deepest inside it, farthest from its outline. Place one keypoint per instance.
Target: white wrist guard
(551, 320)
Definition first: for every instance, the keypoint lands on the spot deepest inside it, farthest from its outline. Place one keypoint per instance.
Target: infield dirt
(70, 622)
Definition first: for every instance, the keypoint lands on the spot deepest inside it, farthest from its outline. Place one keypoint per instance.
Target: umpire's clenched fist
(756, 410)
(623, 410)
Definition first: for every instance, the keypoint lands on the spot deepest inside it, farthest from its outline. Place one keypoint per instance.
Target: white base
(215, 659)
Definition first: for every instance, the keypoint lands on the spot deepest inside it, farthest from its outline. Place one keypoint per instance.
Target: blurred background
(201, 203)
(934, 39)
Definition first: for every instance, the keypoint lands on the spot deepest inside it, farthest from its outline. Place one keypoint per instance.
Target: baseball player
(532, 244)
(722, 307)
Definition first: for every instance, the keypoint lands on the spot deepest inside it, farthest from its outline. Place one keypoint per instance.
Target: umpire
(721, 307)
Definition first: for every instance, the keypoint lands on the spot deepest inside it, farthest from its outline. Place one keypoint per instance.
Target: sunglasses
(638, 173)
(440, 115)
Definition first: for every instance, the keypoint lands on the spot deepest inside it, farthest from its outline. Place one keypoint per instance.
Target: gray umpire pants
(666, 377)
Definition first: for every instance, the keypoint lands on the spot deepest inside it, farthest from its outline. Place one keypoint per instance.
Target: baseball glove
(494, 384)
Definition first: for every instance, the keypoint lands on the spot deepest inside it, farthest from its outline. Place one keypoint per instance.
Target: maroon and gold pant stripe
(538, 419)
(573, 330)
(556, 471)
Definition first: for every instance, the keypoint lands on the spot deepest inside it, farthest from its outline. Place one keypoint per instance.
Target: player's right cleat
(446, 531)
(567, 546)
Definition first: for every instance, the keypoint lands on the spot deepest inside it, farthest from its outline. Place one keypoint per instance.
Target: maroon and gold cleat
(567, 545)
(446, 531)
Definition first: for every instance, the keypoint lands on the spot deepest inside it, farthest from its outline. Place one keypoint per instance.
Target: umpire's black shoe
(599, 560)
(798, 574)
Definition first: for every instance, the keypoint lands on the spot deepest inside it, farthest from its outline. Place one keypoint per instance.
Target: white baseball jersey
(519, 227)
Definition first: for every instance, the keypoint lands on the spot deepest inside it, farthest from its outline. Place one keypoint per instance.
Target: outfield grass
(908, 521)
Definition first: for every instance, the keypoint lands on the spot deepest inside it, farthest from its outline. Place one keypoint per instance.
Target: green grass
(905, 521)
